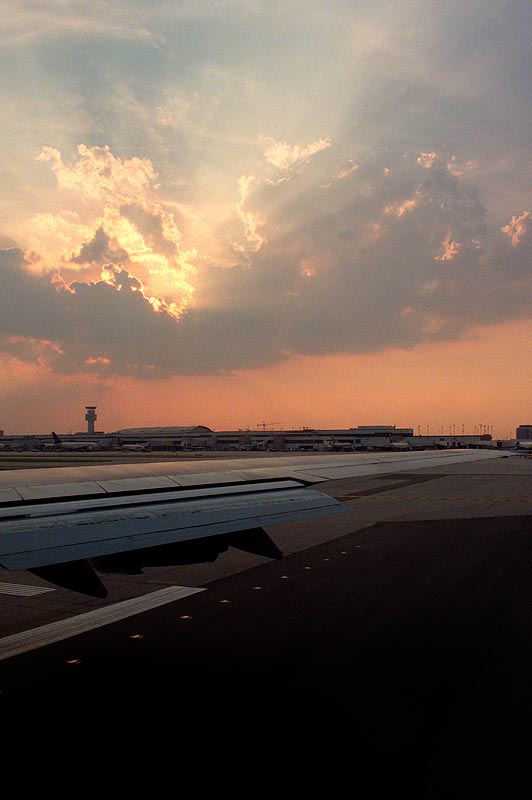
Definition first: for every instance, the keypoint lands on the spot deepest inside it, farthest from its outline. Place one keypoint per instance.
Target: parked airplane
(524, 446)
(58, 444)
(66, 525)
(338, 447)
(396, 446)
(138, 447)
(11, 447)
(390, 446)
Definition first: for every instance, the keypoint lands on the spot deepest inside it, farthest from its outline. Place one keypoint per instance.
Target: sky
(249, 214)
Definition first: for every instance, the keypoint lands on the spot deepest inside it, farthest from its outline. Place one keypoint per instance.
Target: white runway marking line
(24, 589)
(56, 631)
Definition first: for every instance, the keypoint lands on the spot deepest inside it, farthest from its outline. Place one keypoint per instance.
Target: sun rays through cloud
(200, 192)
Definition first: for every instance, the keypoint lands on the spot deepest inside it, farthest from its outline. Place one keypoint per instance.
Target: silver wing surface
(68, 524)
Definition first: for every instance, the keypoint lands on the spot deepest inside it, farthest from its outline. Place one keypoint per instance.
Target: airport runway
(389, 653)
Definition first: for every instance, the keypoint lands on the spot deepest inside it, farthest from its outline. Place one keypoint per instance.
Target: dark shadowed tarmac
(392, 661)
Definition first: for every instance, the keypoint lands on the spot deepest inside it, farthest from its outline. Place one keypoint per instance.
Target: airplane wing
(69, 524)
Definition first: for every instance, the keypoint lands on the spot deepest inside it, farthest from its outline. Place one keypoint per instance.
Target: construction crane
(263, 424)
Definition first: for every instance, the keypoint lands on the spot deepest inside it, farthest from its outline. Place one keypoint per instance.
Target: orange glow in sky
(194, 232)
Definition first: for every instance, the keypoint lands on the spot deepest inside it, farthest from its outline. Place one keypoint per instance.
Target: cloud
(283, 155)
(518, 228)
(32, 23)
(100, 175)
(227, 209)
(109, 326)
(395, 254)
(451, 251)
(399, 252)
(100, 249)
(252, 222)
(125, 222)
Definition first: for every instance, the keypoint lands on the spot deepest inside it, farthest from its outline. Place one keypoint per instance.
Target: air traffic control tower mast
(91, 418)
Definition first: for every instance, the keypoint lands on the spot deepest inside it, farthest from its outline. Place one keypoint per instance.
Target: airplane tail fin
(56, 438)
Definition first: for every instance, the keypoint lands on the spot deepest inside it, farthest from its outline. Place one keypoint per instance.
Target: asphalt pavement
(388, 654)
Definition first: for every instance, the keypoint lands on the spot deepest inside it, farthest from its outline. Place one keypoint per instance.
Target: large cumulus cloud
(337, 254)
(393, 250)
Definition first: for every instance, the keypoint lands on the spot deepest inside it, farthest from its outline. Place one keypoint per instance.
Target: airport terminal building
(176, 439)
(524, 433)
(200, 437)
(362, 438)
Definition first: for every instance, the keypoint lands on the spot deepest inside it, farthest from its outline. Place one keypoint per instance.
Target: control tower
(91, 418)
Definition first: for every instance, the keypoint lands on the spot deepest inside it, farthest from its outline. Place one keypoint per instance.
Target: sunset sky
(229, 213)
